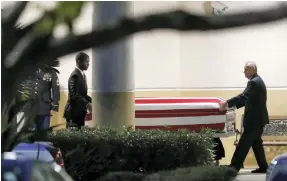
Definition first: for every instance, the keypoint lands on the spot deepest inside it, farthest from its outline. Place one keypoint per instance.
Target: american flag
(192, 113)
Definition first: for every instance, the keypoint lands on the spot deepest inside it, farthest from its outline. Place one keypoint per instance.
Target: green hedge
(91, 153)
(200, 173)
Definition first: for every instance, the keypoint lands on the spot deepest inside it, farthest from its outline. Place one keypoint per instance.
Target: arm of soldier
(74, 95)
(55, 92)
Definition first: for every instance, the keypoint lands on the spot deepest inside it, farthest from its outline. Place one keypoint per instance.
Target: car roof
(31, 146)
(282, 158)
(34, 151)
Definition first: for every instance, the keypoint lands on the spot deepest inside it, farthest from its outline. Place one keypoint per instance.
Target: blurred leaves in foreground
(64, 13)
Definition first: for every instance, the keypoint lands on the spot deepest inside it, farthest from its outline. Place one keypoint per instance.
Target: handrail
(265, 143)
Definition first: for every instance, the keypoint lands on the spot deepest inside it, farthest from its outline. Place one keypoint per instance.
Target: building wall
(167, 59)
(173, 60)
(169, 63)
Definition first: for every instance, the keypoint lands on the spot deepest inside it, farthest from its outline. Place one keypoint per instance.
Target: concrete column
(112, 72)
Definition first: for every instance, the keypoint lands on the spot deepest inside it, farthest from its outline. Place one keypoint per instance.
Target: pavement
(245, 175)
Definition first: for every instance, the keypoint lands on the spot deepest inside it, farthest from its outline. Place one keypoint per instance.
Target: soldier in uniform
(47, 95)
(44, 92)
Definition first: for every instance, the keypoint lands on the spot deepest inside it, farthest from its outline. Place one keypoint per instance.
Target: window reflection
(9, 176)
(45, 172)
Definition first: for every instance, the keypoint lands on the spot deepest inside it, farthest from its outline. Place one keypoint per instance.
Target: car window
(39, 173)
(9, 176)
(46, 172)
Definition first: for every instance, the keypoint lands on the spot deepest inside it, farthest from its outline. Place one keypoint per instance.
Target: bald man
(254, 99)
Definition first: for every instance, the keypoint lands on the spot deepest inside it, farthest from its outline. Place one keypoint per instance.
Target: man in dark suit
(79, 101)
(254, 99)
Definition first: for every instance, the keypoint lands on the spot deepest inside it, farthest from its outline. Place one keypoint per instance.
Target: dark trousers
(42, 122)
(77, 121)
(218, 149)
(250, 138)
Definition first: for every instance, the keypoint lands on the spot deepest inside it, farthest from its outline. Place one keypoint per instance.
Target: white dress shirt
(82, 72)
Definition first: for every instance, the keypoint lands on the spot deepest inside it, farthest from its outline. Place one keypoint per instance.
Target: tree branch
(11, 15)
(175, 20)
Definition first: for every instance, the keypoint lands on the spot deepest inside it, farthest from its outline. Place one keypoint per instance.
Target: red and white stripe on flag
(191, 113)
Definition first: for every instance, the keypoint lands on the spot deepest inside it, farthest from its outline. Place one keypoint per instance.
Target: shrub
(98, 151)
(200, 173)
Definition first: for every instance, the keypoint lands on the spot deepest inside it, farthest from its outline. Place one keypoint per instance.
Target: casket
(173, 113)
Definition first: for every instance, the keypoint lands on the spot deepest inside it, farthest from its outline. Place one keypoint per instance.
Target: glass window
(9, 176)
(48, 172)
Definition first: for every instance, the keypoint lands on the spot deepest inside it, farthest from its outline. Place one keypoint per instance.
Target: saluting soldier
(44, 92)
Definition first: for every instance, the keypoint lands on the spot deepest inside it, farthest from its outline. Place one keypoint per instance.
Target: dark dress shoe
(259, 170)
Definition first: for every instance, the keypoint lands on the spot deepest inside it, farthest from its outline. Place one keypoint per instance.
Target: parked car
(19, 168)
(41, 151)
(277, 170)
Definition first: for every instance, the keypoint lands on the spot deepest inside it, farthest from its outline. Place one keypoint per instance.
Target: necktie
(86, 85)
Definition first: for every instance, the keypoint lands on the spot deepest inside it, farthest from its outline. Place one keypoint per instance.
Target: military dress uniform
(45, 93)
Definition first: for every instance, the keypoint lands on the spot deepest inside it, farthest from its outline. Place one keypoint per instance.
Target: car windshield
(9, 176)
(48, 172)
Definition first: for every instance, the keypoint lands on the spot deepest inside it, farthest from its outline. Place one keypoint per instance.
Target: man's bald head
(251, 65)
(250, 69)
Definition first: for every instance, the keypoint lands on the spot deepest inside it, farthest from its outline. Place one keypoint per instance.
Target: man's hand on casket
(223, 106)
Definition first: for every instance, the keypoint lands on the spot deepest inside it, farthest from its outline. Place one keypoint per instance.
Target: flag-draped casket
(192, 113)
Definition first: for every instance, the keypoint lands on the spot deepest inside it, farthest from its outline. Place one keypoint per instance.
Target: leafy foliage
(10, 136)
(64, 13)
(98, 151)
